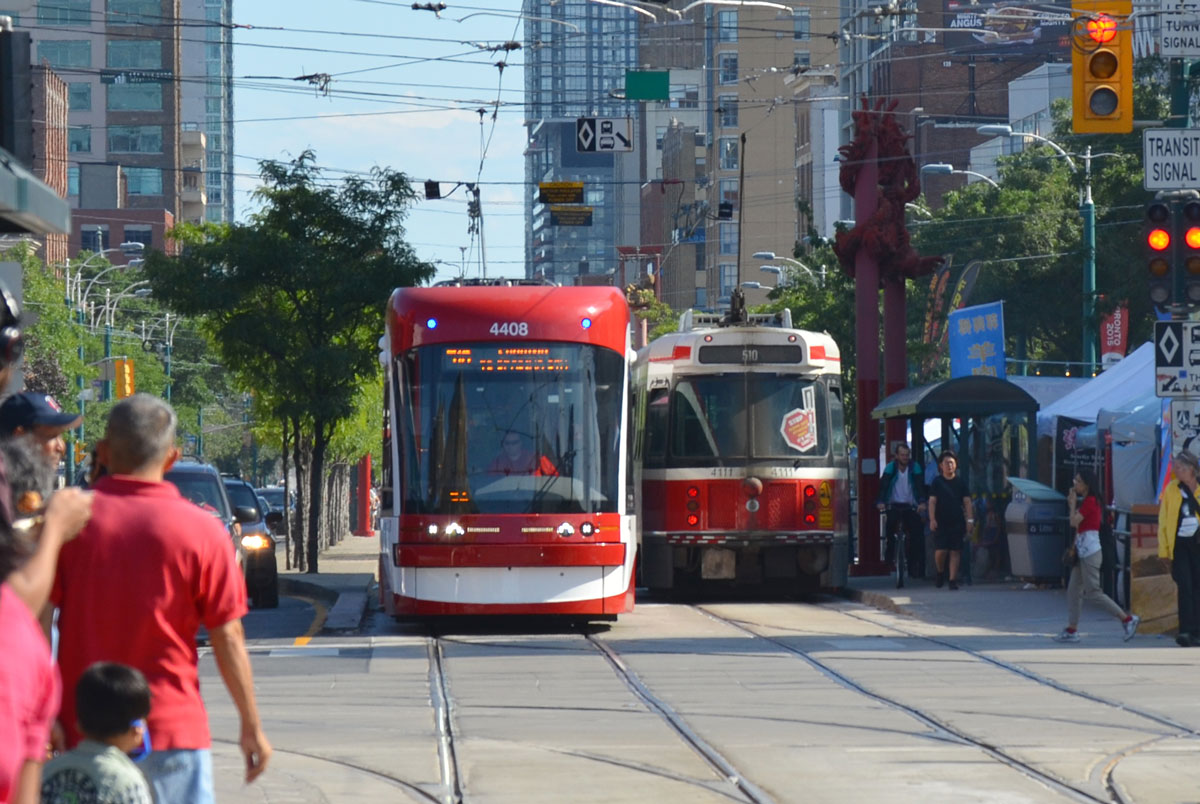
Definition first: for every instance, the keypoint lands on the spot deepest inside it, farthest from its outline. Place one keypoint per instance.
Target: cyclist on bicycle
(902, 496)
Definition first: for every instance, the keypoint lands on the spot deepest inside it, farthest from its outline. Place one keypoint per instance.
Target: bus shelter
(992, 426)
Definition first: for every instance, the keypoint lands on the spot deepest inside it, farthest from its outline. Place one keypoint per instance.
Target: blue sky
(421, 119)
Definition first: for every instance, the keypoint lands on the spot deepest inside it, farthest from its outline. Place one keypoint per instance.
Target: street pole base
(868, 569)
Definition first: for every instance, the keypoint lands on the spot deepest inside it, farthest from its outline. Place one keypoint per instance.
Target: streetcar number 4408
(510, 328)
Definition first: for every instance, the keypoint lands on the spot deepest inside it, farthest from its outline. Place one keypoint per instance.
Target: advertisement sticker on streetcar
(799, 427)
(825, 512)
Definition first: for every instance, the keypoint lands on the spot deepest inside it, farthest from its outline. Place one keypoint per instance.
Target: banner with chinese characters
(977, 341)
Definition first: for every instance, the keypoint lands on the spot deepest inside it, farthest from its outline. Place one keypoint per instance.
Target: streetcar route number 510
(510, 328)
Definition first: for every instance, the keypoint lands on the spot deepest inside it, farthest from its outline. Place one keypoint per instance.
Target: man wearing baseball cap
(39, 416)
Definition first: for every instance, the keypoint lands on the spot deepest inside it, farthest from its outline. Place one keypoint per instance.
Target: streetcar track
(655, 704)
(1183, 731)
(409, 786)
(954, 734)
(439, 695)
(742, 789)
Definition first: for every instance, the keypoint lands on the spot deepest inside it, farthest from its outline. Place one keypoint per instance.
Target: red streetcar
(744, 467)
(505, 458)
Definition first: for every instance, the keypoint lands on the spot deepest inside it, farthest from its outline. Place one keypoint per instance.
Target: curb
(876, 600)
(347, 613)
(344, 610)
(291, 587)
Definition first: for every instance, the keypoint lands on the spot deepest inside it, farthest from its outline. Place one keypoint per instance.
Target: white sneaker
(1066, 636)
(1131, 627)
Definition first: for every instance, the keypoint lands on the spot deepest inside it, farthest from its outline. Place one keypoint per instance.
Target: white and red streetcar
(505, 467)
(744, 468)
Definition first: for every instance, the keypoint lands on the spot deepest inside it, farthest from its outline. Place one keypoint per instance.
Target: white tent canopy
(1117, 388)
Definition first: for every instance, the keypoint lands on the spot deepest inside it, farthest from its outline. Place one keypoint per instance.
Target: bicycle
(894, 528)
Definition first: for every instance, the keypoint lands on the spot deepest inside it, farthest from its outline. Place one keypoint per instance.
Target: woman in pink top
(29, 684)
(1085, 513)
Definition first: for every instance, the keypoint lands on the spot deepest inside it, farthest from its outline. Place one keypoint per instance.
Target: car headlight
(255, 542)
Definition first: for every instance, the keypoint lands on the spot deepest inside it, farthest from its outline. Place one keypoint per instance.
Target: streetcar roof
(721, 348)
(597, 315)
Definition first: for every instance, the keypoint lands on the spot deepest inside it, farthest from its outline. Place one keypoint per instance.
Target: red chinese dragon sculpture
(883, 235)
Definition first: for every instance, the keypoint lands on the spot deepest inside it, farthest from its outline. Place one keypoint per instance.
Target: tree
(294, 299)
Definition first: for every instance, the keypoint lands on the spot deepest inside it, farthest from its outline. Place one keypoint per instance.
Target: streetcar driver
(518, 458)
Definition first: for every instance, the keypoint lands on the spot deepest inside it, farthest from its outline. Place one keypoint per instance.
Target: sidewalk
(1010, 606)
(344, 583)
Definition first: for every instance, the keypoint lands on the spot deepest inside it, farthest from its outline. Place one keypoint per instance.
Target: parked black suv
(262, 570)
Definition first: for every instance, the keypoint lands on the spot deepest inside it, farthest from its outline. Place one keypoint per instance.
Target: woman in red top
(1085, 513)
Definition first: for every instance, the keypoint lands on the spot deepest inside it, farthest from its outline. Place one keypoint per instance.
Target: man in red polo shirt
(152, 569)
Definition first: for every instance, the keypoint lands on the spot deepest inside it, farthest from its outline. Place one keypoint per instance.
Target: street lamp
(168, 344)
(944, 169)
(107, 315)
(1000, 130)
(756, 286)
(77, 298)
(819, 281)
(1087, 211)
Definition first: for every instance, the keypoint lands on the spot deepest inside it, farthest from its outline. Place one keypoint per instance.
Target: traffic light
(1160, 251)
(1102, 66)
(80, 452)
(124, 371)
(1188, 253)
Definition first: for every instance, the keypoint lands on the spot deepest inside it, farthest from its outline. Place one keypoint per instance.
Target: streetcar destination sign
(1171, 157)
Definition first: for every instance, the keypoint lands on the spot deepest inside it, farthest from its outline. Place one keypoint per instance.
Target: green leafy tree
(51, 336)
(294, 299)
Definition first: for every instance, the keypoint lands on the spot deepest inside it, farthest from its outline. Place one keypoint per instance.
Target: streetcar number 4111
(510, 328)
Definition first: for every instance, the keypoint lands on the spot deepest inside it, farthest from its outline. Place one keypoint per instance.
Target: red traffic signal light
(1160, 252)
(1102, 29)
(1102, 67)
(1158, 239)
(1189, 248)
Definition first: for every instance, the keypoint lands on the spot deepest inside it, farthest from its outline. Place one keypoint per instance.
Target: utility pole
(1087, 210)
(741, 205)
(475, 226)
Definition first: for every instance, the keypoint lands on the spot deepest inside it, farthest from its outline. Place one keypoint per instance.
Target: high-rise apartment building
(576, 55)
(761, 131)
(122, 62)
(206, 90)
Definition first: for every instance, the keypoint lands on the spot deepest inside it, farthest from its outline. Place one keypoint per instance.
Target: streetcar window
(726, 418)
(837, 421)
(511, 428)
(656, 427)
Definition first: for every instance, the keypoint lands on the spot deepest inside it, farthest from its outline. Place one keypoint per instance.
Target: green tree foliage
(51, 337)
(294, 299)
(821, 302)
(1028, 234)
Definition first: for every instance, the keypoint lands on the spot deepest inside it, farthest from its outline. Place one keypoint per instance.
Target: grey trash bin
(1036, 521)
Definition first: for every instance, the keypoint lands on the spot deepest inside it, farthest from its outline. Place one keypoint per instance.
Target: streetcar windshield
(716, 418)
(510, 428)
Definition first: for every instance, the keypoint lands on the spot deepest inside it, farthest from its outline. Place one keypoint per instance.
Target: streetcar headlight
(254, 542)
(433, 530)
(587, 529)
(454, 530)
(565, 530)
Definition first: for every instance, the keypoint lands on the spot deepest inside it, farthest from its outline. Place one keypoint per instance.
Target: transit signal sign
(1171, 157)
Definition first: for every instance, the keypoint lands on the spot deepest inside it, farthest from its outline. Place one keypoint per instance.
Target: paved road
(831, 701)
